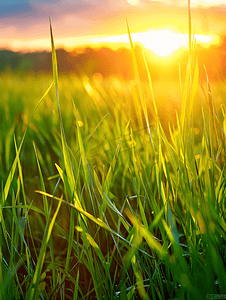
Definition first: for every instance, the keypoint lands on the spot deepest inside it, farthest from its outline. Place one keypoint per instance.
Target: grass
(103, 196)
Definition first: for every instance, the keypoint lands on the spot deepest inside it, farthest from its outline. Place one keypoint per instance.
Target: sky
(24, 24)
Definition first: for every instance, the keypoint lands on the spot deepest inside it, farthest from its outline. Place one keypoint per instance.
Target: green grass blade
(67, 160)
(88, 176)
(139, 85)
(33, 290)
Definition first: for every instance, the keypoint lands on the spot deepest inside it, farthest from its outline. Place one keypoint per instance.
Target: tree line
(118, 63)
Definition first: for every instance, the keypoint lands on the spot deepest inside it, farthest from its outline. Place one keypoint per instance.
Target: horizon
(161, 42)
(81, 24)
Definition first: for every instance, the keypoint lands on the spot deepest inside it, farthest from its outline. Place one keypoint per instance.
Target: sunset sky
(25, 24)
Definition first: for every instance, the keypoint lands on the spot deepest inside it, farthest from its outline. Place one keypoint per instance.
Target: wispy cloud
(194, 3)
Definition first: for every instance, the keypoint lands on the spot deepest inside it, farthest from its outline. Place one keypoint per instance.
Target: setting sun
(161, 42)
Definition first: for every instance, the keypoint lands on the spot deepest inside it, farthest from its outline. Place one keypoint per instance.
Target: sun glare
(161, 42)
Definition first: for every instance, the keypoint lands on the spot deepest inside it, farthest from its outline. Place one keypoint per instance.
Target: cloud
(194, 3)
(18, 19)
(44, 8)
(41, 8)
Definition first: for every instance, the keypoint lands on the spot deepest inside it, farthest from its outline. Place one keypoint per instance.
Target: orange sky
(25, 25)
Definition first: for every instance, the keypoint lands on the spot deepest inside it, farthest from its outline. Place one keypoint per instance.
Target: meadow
(112, 189)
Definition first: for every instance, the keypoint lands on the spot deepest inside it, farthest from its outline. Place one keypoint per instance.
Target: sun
(162, 42)
(165, 42)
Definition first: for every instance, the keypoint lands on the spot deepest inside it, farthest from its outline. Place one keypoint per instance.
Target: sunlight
(207, 3)
(134, 2)
(194, 3)
(161, 42)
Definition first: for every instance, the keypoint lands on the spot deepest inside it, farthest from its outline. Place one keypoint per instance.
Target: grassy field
(112, 189)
